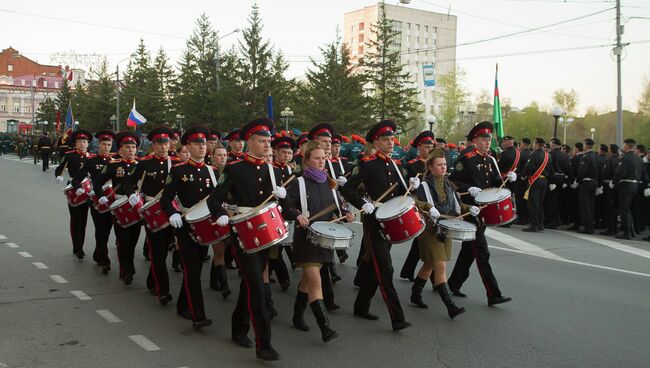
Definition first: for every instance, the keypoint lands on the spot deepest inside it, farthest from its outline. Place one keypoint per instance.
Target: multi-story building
(426, 41)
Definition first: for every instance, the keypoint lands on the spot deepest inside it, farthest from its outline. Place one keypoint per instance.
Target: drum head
(492, 195)
(336, 231)
(457, 225)
(394, 207)
(118, 202)
(198, 211)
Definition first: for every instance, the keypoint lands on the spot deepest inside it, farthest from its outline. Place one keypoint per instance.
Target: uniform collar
(253, 160)
(195, 164)
(382, 156)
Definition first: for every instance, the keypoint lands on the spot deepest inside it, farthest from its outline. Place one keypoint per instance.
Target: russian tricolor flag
(135, 118)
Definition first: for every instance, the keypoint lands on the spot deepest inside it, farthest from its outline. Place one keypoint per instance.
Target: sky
(532, 64)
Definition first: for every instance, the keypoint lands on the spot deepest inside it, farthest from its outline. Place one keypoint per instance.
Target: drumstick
(322, 212)
(289, 179)
(390, 189)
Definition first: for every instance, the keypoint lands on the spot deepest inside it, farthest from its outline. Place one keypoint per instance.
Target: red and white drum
(261, 228)
(499, 209)
(204, 227)
(400, 220)
(108, 192)
(125, 214)
(154, 216)
(71, 193)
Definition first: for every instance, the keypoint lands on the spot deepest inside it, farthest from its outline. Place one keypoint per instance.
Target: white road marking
(25, 254)
(80, 295)
(108, 316)
(611, 244)
(576, 262)
(58, 279)
(144, 343)
(523, 246)
(12, 245)
(40, 265)
(2, 237)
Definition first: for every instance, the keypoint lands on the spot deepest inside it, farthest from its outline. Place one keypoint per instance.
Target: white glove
(512, 176)
(599, 191)
(134, 199)
(223, 220)
(279, 192)
(368, 208)
(564, 185)
(341, 180)
(175, 220)
(474, 191)
(103, 200)
(611, 185)
(646, 192)
(80, 191)
(552, 187)
(474, 211)
(574, 185)
(434, 213)
(415, 182)
(59, 179)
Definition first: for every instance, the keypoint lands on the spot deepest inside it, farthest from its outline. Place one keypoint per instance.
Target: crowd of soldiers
(236, 173)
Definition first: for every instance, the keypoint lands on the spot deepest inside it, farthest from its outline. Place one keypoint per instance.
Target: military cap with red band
(196, 134)
(260, 126)
(384, 128)
(105, 135)
(127, 137)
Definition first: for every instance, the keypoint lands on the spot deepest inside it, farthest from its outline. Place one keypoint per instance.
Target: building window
(16, 106)
(10, 68)
(361, 25)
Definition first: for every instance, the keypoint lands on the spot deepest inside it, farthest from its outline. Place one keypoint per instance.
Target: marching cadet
(45, 148)
(627, 177)
(103, 221)
(558, 179)
(424, 142)
(609, 195)
(74, 160)
(149, 177)
(213, 139)
(249, 181)
(377, 173)
(477, 170)
(536, 172)
(235, 145)
(119, 171)
(190, 182)
(587, 177)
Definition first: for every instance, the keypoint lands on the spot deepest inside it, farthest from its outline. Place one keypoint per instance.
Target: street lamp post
(593, 132)
(287, 117)
(431, 120)
(556, 111)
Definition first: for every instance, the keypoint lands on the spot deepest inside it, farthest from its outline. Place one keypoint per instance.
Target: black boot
(416, 292)
(299, 311)
(445, 296)
(318, 308)
(268, 298)
(215, 279)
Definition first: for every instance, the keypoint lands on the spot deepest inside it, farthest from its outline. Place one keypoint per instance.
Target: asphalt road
(579, 301)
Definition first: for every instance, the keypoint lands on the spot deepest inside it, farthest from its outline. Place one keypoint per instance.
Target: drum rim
(239, 218)
(398, 214)
(331, 237)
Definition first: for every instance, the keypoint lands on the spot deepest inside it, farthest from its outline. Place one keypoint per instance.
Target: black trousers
(609, 198)
(127, 240)
(411, 261)
(587, 202)
(103, 224)
(78, 220)
(251, 305)
(158, 247)
(190, 298)
(381, 276)
(475, 250)
(45, 156)
(626, 194)
(535, 202)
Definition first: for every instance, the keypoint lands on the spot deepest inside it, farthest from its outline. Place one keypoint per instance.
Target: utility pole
(117, 93)
(618, 50)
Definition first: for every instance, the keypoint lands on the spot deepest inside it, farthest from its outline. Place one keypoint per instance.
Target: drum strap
(399, 173)
(302, 190)
(332, 173)
(272, 175)
(212, 177)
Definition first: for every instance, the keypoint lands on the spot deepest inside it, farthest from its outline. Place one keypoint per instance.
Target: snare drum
(260, 229)
(125, 214)
(204, 227)
(499, 209)
(71, 193)
(330, 235)
(400, 220)
(458, 229)
(154, 216)
(108, 192)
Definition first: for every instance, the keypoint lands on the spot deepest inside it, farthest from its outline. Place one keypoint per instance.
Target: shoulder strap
(212, 177)
(302, 191)
(272, 175)
(399, 173)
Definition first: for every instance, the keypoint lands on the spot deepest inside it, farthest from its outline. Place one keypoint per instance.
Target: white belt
(629, 181)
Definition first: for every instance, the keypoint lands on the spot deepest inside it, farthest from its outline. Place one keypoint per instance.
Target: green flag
(497, 118)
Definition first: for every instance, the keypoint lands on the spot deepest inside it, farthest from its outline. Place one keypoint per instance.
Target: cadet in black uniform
(559, 165)
(73, 160)
(235, 145)
(424, 143)
(476, 170)
(149, 177)
(536, 172)
(521, 185)
(587, 176)
(609, 194)
(191, 182)
(627, 177)
(45, 148)
(119, 171)
(103, 221)
(377, 173)
(250, 181)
